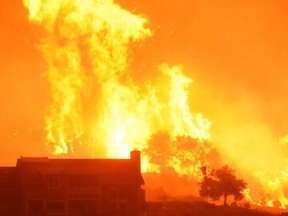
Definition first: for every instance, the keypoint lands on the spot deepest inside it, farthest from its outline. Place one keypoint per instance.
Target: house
(76, 187)
(9, 193)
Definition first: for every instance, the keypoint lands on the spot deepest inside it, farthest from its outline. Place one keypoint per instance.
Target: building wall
(9, 195)
(120, 199)
(41, 188)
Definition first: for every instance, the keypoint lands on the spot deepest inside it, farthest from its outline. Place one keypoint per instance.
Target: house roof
(110, 170)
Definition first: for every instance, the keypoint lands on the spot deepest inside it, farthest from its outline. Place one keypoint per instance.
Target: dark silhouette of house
(73, 187)
(9, 191)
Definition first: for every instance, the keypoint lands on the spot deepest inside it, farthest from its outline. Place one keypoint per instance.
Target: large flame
(97, 106)
(94, 99)
(86, 45)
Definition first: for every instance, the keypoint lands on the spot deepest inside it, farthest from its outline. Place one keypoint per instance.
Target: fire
(96, 104)
(275, 187)
(92, 94)
(85, 40)
(182, 121)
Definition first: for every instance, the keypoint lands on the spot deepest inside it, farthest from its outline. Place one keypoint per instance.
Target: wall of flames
(97, 106)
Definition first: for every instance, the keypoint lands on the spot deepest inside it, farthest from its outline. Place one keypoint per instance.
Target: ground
(173, 208)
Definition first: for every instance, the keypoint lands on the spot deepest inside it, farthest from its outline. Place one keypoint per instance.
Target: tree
(188, 152)
(222, 182)
(159, 149)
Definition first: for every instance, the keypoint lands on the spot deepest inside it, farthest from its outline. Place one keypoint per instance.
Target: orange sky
(235, 51)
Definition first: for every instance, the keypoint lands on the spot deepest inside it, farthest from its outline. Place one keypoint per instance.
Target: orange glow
(103, 29)
(124, 116)
(108, 79)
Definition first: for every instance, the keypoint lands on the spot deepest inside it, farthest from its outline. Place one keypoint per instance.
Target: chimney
(135, 157)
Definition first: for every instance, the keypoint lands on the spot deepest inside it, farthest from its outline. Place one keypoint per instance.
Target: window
(82, 207)
(113, 193)
(118, 208)
(35, 207)
(55, 207)
(121, 208)
(117, 193)
(53, 182)
(118, 202)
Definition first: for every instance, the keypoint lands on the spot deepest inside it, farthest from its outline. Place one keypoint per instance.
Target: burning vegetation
(97, 108)
(93, 97)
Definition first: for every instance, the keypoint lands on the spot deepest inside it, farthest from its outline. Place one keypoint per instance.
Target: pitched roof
(122, 170)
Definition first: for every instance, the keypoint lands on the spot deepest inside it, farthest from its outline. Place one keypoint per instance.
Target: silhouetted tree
(159, 149)
(189, 152)
(222, 182)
